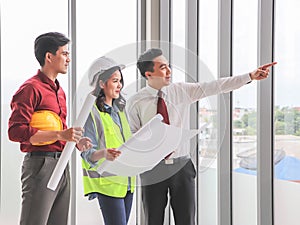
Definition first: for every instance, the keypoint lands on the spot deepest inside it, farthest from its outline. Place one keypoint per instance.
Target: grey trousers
(40, 205)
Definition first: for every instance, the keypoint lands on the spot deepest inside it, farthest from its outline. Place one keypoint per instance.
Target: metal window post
(265, 134)
(225, 112)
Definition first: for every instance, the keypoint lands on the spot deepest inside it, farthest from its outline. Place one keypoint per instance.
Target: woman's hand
(84, 144)
(111, 154)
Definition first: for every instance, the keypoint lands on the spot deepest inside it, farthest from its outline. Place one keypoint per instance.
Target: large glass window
(19, 28)
(244, 113)
(287, 113)
(178, 38)
(103, 28)
(207, 112)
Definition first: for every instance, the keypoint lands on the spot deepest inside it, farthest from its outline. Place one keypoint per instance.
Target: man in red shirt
(43, 93)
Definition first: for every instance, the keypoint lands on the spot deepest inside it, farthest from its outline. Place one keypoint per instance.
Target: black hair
(48, 42)
(98, 91)
(145, 62)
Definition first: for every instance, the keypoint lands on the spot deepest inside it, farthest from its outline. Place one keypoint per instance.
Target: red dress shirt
(37, 93)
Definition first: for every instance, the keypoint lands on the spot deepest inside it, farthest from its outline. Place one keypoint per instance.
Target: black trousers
(179, 180)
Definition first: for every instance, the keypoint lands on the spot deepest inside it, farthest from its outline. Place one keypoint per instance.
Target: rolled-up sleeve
(91, 132)
(22, 105)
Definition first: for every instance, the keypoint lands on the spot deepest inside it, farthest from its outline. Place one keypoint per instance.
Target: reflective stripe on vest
(115, 186)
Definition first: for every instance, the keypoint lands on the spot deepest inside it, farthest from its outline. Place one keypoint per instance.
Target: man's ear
(148, 74)
(48, 56)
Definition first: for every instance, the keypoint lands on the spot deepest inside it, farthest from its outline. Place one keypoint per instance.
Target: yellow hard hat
(46, 120)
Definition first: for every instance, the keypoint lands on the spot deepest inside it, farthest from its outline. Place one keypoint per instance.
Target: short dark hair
(145, 62)
(48, 42)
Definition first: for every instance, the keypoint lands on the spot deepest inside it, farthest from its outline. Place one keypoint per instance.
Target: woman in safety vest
(108, 129)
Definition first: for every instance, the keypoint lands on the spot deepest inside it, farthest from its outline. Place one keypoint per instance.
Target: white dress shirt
(142, 106)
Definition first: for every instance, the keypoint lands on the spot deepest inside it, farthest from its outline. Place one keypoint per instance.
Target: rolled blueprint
(69, 147)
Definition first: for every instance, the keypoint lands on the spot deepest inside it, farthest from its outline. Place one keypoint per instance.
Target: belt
(175, 160)
(55, 155)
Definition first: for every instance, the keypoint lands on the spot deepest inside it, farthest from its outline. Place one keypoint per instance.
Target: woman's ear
(101, 84)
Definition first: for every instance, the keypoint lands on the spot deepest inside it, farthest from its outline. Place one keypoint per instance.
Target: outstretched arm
(262, 72)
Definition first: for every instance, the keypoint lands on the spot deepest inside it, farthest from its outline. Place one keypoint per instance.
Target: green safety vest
(115, 186)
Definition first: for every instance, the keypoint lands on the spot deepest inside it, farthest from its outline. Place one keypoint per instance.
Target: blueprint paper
(146, 148)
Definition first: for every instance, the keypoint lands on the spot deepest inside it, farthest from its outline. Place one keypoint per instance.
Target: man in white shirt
(176, 173)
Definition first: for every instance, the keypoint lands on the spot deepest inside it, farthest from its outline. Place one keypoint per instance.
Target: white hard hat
(99, 66)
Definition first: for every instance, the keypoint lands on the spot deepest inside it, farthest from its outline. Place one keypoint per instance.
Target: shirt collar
(154, 92)
(109, 108)
(47, 80)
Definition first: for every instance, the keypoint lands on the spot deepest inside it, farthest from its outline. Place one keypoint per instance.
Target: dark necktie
(162, 109)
